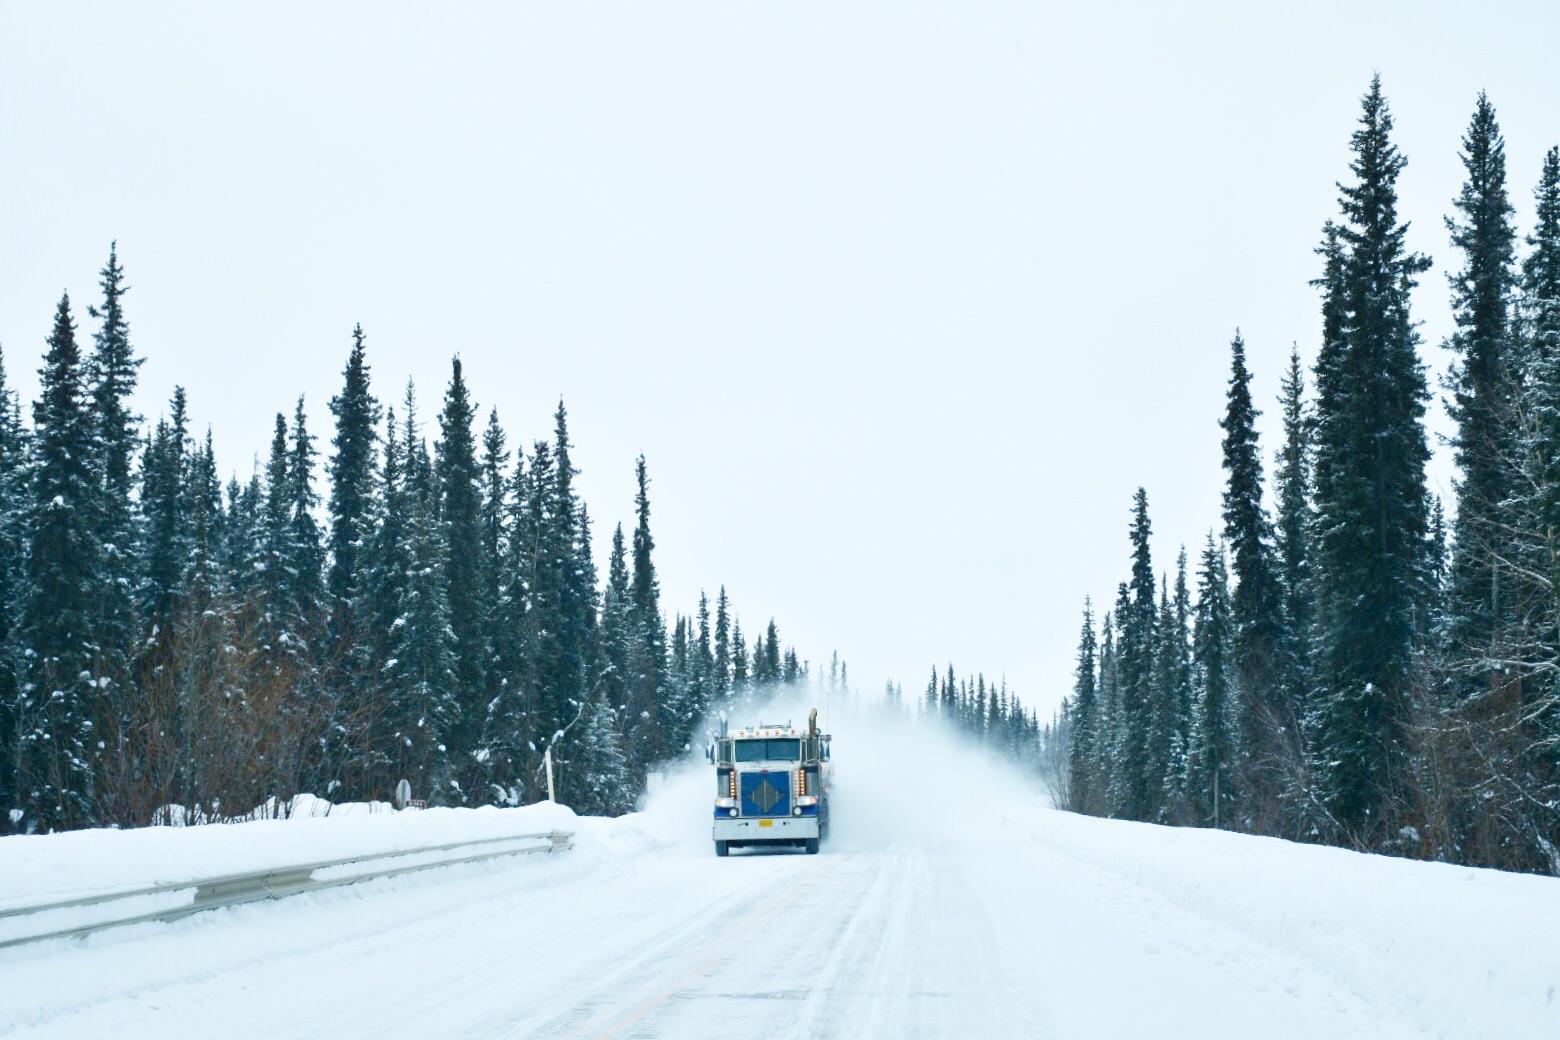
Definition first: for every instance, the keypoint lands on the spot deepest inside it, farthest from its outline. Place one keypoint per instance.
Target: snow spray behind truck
(771, 786)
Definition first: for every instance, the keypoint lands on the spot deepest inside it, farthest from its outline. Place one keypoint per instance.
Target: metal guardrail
(270, 883)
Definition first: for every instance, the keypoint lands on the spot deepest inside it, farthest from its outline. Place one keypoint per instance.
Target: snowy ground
(950, 901)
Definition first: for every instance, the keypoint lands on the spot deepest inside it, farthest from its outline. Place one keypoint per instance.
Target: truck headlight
(806, 799)
(725, 803)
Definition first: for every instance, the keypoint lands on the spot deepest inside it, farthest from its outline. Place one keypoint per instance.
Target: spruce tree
(505, 753)
(1370, 501)
(722, 650)
(576, 576)
(318, 705)
(1170, 712)
(739, 658)
(351, 487)
(601, 780)
(1292, 540)
(771, 659)
(1482, 382)
(241, 526)
(496, 486)
(1161, 745)
(13, 515)
(1177, 646)
(114, 370)
(164, 512)
(513, 678)
(459, 513)
(1256, 605)
(352, 473)
(1106, 720)
(679, 675)
(424, 662)
(395, 746)
(791, 670)
(538, 564)
(1541, 269)
(615, 633)
(647, 681)
(702, 677)
(1084, 712)
(1120, 769)
(1214, 749)
(1538, 508)
(60, 600)
(305, 562)
(275, 537)
(203, 494)
(1141, 776)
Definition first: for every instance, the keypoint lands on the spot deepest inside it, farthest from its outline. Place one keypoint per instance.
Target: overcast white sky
(901, 302)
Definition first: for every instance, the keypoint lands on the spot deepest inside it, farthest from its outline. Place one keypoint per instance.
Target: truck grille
(766, 794)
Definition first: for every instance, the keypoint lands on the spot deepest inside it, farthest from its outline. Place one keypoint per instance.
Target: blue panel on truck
(766, 794)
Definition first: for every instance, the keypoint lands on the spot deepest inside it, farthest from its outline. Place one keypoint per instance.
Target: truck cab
(771, 786)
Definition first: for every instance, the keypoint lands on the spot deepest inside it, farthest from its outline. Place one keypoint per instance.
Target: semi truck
(771, 786)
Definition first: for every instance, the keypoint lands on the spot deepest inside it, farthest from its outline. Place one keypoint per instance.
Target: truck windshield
(769, 750)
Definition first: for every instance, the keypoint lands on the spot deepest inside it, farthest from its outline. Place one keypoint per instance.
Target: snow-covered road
(996, 917)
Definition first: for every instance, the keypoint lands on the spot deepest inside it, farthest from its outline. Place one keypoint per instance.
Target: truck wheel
(812, 846)
(721, 848)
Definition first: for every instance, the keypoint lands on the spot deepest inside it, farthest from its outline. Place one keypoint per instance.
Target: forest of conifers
(168, 639)
(1347, 666)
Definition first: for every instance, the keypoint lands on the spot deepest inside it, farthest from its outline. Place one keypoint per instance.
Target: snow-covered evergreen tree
(61, 598)
(1292, 541)
(1370, 501)
(164, 509)
(113, 375)
(424, 663)
(1483, 382)
(496, 513)
(13, 515)
(1215, 741)
(601, 781)
(721, 687)
(655, 732)
(739, 658)
(1140, 776)
(570, 546)
(352, 475)
(1256, 603)
(1085, 715)
(458, 510)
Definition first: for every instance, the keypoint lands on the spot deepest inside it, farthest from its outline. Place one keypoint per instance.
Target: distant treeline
(1344, 668)
(168, 639)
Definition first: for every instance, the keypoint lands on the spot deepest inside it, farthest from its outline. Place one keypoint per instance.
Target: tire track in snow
(667, 985)
(871, 925)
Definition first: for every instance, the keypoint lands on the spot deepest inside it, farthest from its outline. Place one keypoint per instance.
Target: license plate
(766, 823)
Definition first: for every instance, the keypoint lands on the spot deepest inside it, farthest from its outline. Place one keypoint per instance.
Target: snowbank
(1458, 951)
(52, 867)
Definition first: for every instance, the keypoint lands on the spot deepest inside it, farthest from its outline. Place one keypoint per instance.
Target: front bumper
(779, 828)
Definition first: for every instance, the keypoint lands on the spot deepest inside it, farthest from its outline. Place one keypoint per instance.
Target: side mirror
(709, 752)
